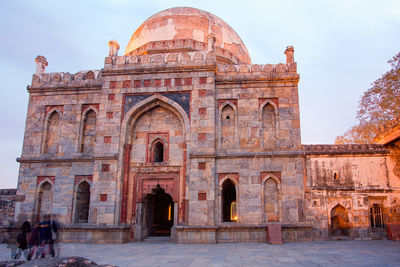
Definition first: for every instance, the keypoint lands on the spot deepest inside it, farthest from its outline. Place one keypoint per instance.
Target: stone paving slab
(326, 253)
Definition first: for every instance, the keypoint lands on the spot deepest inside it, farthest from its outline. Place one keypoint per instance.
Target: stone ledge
(345, 149)
(233, 233)
(277, 153)
(47, 159)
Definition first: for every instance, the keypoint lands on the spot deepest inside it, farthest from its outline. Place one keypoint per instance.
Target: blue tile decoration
(182, 99)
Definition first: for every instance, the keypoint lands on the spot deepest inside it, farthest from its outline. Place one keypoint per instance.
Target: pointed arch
(145, 105)
(271, 199)
(269, 122)
(50, 143)
(227, 121)
(340, 223)
(82, 202)
(128, 138)
(44, 199)
(88, 131)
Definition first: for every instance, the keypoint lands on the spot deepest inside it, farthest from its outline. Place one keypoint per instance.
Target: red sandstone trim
(124, 201)
(273, 174)
(42, 178)
(223, 101)
(234, 176)
(274, 100)
(50, 108)
(80, 178)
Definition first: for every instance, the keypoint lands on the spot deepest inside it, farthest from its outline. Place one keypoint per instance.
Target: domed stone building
(183, 136)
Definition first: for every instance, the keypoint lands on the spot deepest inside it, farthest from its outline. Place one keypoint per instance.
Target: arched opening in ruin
(229, 213)
(159, 212)
(158, 152)
(44, 201)
(340, 224)
(82, 203)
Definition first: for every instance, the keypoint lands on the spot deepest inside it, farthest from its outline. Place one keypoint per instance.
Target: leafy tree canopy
(379, 108)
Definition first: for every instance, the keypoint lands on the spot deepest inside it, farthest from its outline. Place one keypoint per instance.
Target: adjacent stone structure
(183, 136)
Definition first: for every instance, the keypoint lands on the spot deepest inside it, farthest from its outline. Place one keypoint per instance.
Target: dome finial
(41, 64)
(289, 52)
(114, 47)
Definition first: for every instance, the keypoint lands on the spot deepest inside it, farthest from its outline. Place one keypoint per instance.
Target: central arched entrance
(159, 212)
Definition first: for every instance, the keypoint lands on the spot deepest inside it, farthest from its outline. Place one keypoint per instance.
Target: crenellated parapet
(87, 79)
(280, 71)
(159, 61)
(186, 45)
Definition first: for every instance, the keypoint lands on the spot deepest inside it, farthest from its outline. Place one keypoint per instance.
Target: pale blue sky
(340, 48)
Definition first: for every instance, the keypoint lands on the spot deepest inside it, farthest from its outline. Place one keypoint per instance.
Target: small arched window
(158, 152)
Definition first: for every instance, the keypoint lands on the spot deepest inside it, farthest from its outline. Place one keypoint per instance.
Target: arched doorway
(228, 201)
(159, 212)
(340, 225)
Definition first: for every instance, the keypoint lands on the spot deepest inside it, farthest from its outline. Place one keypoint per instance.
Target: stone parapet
(190, 61)
(60, 80)
(183, 45)
(344, 149)
(248, 72)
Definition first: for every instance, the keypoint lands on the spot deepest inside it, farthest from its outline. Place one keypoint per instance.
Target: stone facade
(182, 135)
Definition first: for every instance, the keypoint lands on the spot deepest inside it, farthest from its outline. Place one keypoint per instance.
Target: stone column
(41, 64)
(289, 54)
(114, 47)
(124, 201)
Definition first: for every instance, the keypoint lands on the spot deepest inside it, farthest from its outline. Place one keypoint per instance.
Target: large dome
(188, 23)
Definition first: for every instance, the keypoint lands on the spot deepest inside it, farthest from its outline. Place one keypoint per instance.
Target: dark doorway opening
(228, 201)
(158, 155)
(160, 212)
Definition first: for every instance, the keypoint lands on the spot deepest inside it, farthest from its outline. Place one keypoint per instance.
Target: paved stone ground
(326, 253)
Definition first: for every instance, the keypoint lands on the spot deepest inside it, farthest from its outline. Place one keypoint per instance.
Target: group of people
(38, 240)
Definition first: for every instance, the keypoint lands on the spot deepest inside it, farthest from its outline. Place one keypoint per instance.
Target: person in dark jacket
(33, 241)
(22, 244)
(46, 238)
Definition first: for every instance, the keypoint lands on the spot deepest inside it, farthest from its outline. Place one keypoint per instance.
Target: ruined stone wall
(355, 179)
(7, 206)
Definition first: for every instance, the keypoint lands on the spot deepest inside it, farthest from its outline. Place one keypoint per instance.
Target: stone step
(393, 231)
(274, 234)
(157, 239)
(340, 237)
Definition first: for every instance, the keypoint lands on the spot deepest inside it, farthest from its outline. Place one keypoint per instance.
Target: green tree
(379, 108)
